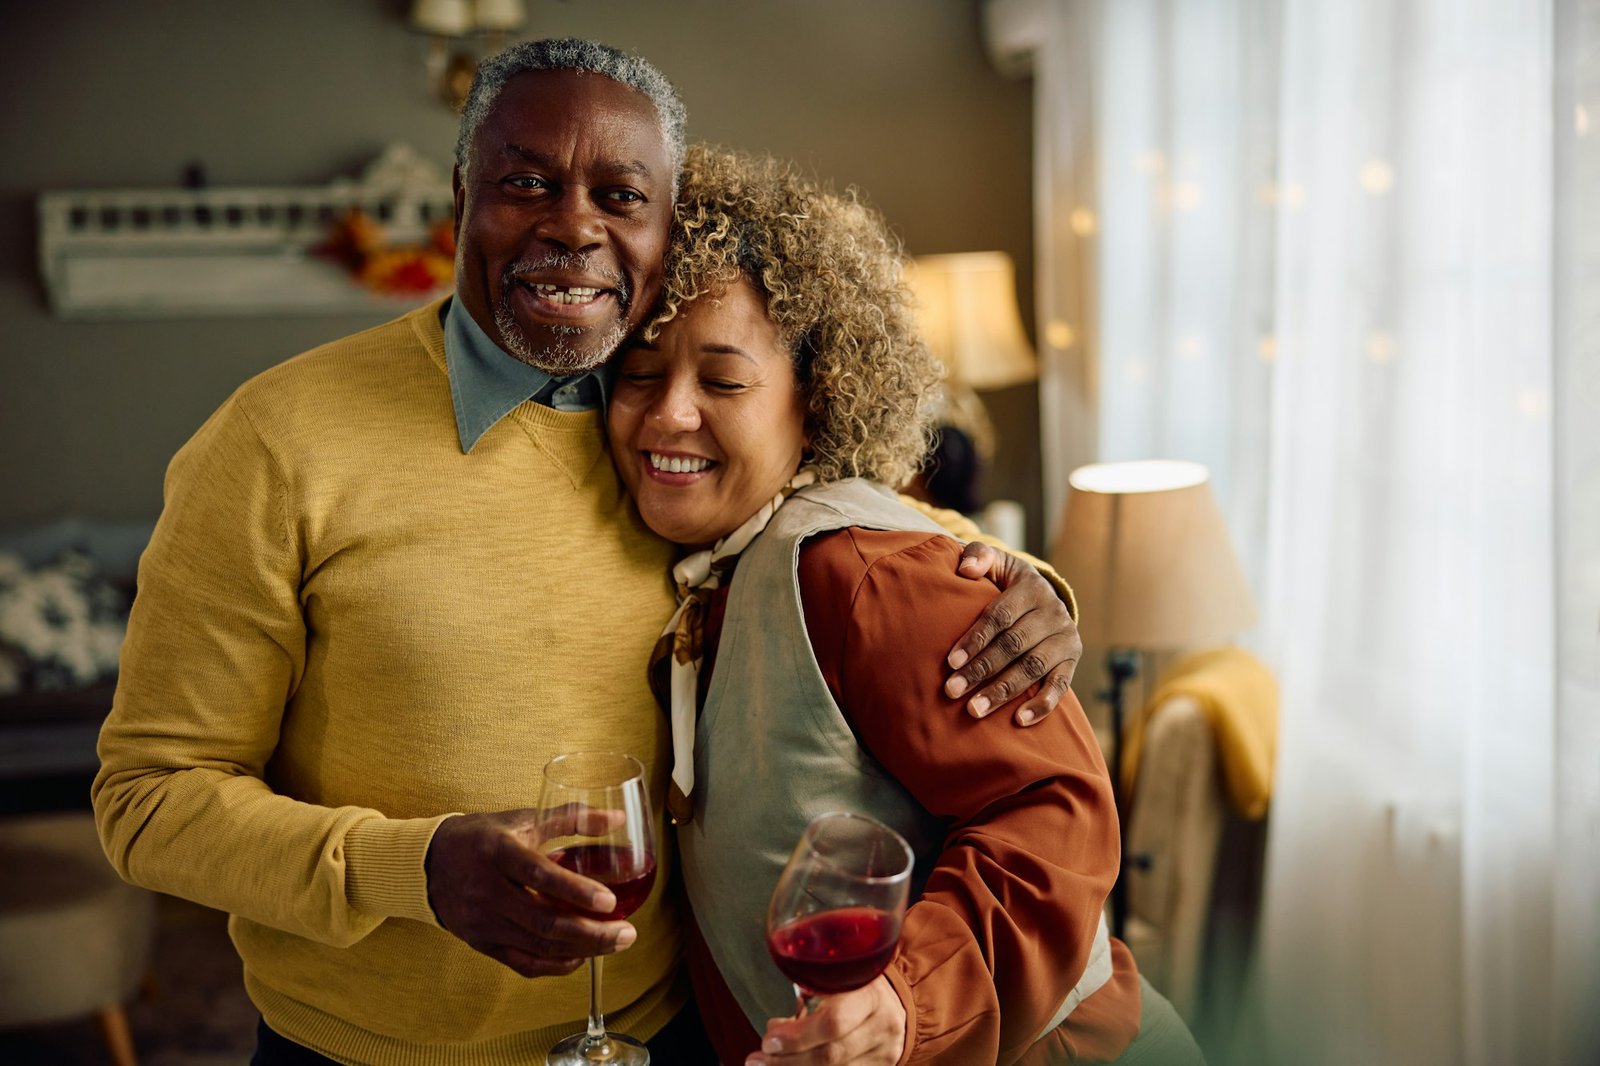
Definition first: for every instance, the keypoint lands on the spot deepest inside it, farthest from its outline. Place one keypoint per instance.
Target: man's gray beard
(560, 357)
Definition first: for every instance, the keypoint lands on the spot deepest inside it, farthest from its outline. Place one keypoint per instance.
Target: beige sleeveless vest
(772, 751)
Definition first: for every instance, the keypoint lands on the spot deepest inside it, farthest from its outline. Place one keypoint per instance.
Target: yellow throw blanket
(1240, 698)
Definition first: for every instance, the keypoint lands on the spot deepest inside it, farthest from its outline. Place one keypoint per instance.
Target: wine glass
(835, 916)
(602, 799)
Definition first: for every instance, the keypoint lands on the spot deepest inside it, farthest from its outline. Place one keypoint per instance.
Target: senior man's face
(562, 218)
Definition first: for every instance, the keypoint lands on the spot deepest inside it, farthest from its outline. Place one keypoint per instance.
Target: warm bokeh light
(1267, 348)
(1293, 196)
(1580, 120)
(1380, 347)
(1083, 222)
(1151, 163)
(1185, 196)
(1189, 347)
(1377, 177)
(1060, 335)
(1533, 402)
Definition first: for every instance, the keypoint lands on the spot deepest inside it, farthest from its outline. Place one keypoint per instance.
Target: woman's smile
(676, 469)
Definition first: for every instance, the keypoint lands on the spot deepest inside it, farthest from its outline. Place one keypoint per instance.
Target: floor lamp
(1148, 556)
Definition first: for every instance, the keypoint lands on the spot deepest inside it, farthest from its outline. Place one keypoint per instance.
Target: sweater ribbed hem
(354, 1046)
(385, 870)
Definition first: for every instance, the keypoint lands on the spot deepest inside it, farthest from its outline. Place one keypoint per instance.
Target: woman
(756, 422)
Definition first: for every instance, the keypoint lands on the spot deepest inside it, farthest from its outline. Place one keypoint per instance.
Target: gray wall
(895, 96)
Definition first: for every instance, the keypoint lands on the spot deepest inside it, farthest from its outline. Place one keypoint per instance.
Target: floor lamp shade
(1148, 555)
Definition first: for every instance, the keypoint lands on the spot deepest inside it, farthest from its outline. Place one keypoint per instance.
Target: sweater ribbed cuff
(385, 867)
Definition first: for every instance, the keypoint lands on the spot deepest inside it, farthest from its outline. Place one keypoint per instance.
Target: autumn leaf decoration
(358, 243)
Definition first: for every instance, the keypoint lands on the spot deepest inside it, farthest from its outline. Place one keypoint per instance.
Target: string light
(1185, 196)
(1151, 163)
(1267, 348)
(1580, 120)
(1380, 347)
(1533, 403)
(1060, 335)
(1083, 222)
(1377, 177)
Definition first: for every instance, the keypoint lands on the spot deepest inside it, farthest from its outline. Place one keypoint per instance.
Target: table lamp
(1147, 552)
(967, 315)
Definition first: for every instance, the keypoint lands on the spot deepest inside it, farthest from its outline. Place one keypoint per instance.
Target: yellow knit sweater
(347, 629)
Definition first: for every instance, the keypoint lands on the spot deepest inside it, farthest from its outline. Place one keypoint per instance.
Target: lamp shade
(448, 18)
(967, 314)
(1148, 556)
(500, 15)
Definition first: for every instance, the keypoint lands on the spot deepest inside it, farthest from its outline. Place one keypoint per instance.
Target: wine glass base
(614, 1049)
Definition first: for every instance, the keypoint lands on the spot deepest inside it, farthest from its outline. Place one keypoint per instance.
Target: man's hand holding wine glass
(480, 867)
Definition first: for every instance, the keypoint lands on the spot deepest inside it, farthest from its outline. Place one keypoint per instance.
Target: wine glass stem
(597, 1020)
(804, 1004)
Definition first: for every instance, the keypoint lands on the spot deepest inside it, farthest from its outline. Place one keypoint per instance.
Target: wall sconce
(452, 61)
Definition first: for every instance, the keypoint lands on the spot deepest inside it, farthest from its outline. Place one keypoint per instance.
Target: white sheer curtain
(1347, 254)
(1576, 909)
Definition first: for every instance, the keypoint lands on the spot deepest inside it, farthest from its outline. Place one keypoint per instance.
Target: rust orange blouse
(1032, 848)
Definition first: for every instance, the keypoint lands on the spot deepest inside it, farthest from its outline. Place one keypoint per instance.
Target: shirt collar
(487, 383)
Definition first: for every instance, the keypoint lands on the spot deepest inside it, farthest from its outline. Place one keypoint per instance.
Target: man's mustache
(568, 261)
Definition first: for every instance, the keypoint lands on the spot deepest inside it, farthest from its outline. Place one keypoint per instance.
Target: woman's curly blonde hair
(832, 274)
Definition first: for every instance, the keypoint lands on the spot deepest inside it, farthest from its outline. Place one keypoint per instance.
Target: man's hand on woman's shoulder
(1025, 635)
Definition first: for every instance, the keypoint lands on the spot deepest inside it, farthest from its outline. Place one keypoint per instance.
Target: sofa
(65, 589)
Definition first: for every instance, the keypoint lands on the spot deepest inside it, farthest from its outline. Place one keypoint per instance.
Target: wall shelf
(143, 253)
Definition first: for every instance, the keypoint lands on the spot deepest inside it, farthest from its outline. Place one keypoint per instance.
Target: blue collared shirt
(486, 383)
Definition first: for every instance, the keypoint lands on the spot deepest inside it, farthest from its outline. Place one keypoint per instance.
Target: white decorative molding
(145, 253)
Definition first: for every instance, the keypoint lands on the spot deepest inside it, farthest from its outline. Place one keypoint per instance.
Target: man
(396, 574)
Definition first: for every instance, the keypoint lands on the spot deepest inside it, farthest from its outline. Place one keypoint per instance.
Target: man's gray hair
(572, 53)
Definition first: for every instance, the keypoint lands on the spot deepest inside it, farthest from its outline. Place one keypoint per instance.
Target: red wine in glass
(835, 951)
(599, 824)
(835, 916)
(628, 873)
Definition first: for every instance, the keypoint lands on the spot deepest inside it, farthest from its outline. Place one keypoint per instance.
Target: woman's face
(707, 423)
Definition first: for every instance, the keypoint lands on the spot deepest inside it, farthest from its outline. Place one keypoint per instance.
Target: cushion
(74, 937)
(61, 624)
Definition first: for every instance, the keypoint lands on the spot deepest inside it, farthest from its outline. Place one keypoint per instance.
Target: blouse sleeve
(963, 528)
(1005, 924)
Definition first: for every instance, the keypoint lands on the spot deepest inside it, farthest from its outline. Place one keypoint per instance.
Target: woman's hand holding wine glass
(867, 1026)
(832, 927)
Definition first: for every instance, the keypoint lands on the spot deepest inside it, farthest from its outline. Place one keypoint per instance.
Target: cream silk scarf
(682, 643)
